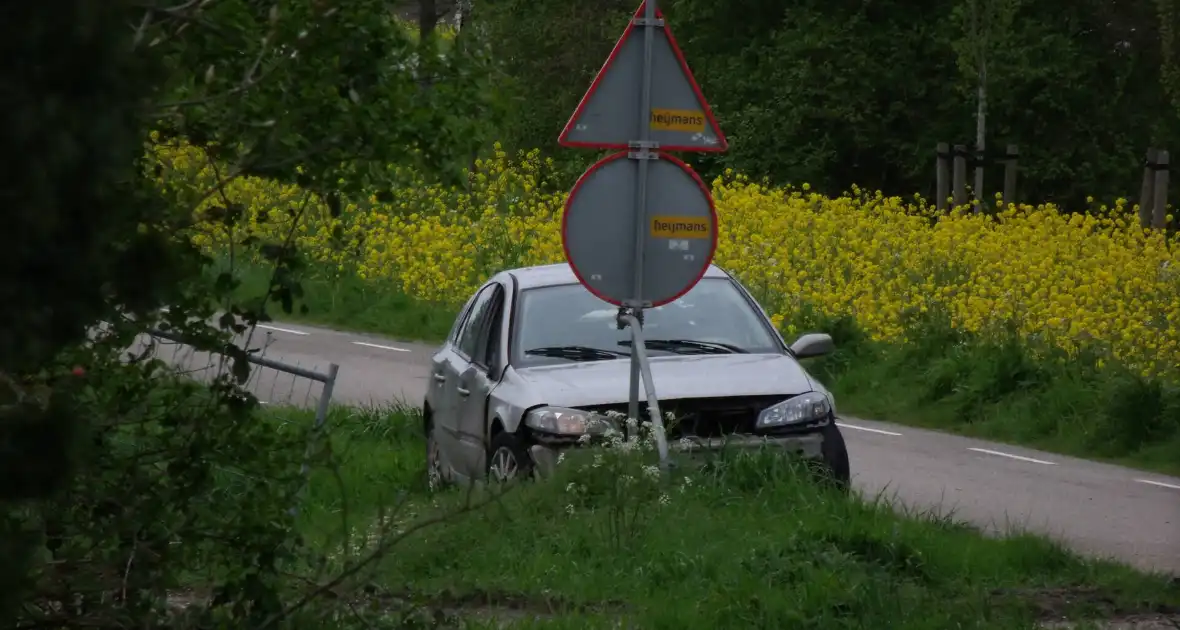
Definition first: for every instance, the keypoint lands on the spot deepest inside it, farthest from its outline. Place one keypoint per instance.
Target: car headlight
(809, 407)
(565, 421)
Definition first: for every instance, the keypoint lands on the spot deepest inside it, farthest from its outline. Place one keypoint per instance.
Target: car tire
(837, 468)
(435, 480)
(508, 454)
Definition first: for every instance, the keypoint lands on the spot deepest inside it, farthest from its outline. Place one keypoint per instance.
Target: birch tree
(985, 26)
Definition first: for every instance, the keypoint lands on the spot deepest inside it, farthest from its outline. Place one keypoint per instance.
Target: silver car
(534, 358)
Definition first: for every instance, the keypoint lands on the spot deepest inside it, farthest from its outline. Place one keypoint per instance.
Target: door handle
(463, 391)
(439, 377)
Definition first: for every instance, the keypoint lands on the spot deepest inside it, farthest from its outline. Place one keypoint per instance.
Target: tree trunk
(427, 18)
(980, 132)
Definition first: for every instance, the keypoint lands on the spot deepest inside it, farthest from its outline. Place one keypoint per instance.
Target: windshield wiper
(688, 346)
(577, 353)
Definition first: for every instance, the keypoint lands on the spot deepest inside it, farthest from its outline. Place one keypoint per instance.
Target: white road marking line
(858, 428)
(1159, 483)
(1011, 456)
(377, 345)
(286, 330)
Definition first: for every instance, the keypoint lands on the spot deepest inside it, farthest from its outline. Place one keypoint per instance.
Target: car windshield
(558, 324)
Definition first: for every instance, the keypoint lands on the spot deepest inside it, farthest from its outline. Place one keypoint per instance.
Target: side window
(460, 320)
(488, 343)
(472, 329)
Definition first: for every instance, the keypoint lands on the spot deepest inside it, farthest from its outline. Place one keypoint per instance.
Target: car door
(478, 380)
(441, 401)
(452, 365)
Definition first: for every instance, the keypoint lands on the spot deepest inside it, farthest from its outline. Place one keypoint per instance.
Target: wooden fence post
(1160, 206)
(959, 182)
(942, 175)
(979, 163)
(1147, 189)
(1011, 162)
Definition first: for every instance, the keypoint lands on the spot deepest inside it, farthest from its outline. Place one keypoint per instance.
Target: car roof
(562, 273)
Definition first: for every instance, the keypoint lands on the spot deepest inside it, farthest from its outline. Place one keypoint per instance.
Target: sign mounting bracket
(643, 150)
(642, 21)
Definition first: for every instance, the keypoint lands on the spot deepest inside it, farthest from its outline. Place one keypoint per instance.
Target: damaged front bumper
(687, 449)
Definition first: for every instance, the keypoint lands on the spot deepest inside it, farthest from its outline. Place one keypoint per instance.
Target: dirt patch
(1080, 607)
(1130, 622)
(448, 606)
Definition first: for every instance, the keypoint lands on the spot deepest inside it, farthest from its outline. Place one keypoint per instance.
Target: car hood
(693, 376)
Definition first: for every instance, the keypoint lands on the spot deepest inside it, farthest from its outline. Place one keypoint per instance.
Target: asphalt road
(1096, 508)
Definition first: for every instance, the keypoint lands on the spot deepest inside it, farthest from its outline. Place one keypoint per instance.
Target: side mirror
(812, 345)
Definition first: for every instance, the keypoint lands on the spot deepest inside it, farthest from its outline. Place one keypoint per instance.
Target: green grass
(751, 545)
(348, 303)
(998, 391)
(374, 461)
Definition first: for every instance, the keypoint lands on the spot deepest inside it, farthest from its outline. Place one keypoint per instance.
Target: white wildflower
(584, 438)
(665, 499)
(652, 472)
(569, 509)
(597, 460)
(561, 457)
(571, 487)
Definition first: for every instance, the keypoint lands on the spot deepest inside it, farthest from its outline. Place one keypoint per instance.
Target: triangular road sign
(608, 115)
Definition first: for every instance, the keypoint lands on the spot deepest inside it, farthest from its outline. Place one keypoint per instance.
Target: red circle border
(663, 155)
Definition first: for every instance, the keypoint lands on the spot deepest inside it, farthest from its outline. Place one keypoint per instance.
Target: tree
(548, 52)
(985, 24)
(836, 93)
(105, 456)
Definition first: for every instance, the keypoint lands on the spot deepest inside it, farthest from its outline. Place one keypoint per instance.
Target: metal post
(321, 417)
(639, 350)
(641, 155)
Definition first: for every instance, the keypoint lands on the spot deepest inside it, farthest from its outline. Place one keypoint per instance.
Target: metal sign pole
(642, 152)
(675, 231)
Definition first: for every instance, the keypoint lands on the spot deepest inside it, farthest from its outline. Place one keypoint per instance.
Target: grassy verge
(998, 391)
(348, 303)
(751, 544)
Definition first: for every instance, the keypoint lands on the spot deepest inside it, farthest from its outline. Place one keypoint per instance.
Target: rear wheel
(434, 468)
(508, 459)
(837, 470)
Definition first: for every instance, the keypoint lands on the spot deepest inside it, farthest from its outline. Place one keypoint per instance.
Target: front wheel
(508, 458)
(837, 469)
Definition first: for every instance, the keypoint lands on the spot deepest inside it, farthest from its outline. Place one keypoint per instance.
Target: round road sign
(599, 224)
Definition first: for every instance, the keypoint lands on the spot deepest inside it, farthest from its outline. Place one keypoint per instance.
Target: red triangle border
(722, 144)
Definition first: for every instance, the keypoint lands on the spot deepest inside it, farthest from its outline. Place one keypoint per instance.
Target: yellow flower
(1084, 281)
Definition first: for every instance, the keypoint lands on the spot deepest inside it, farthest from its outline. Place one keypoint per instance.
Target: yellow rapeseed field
(1096, 281)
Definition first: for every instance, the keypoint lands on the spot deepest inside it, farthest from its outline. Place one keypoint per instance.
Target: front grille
(705, 417)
